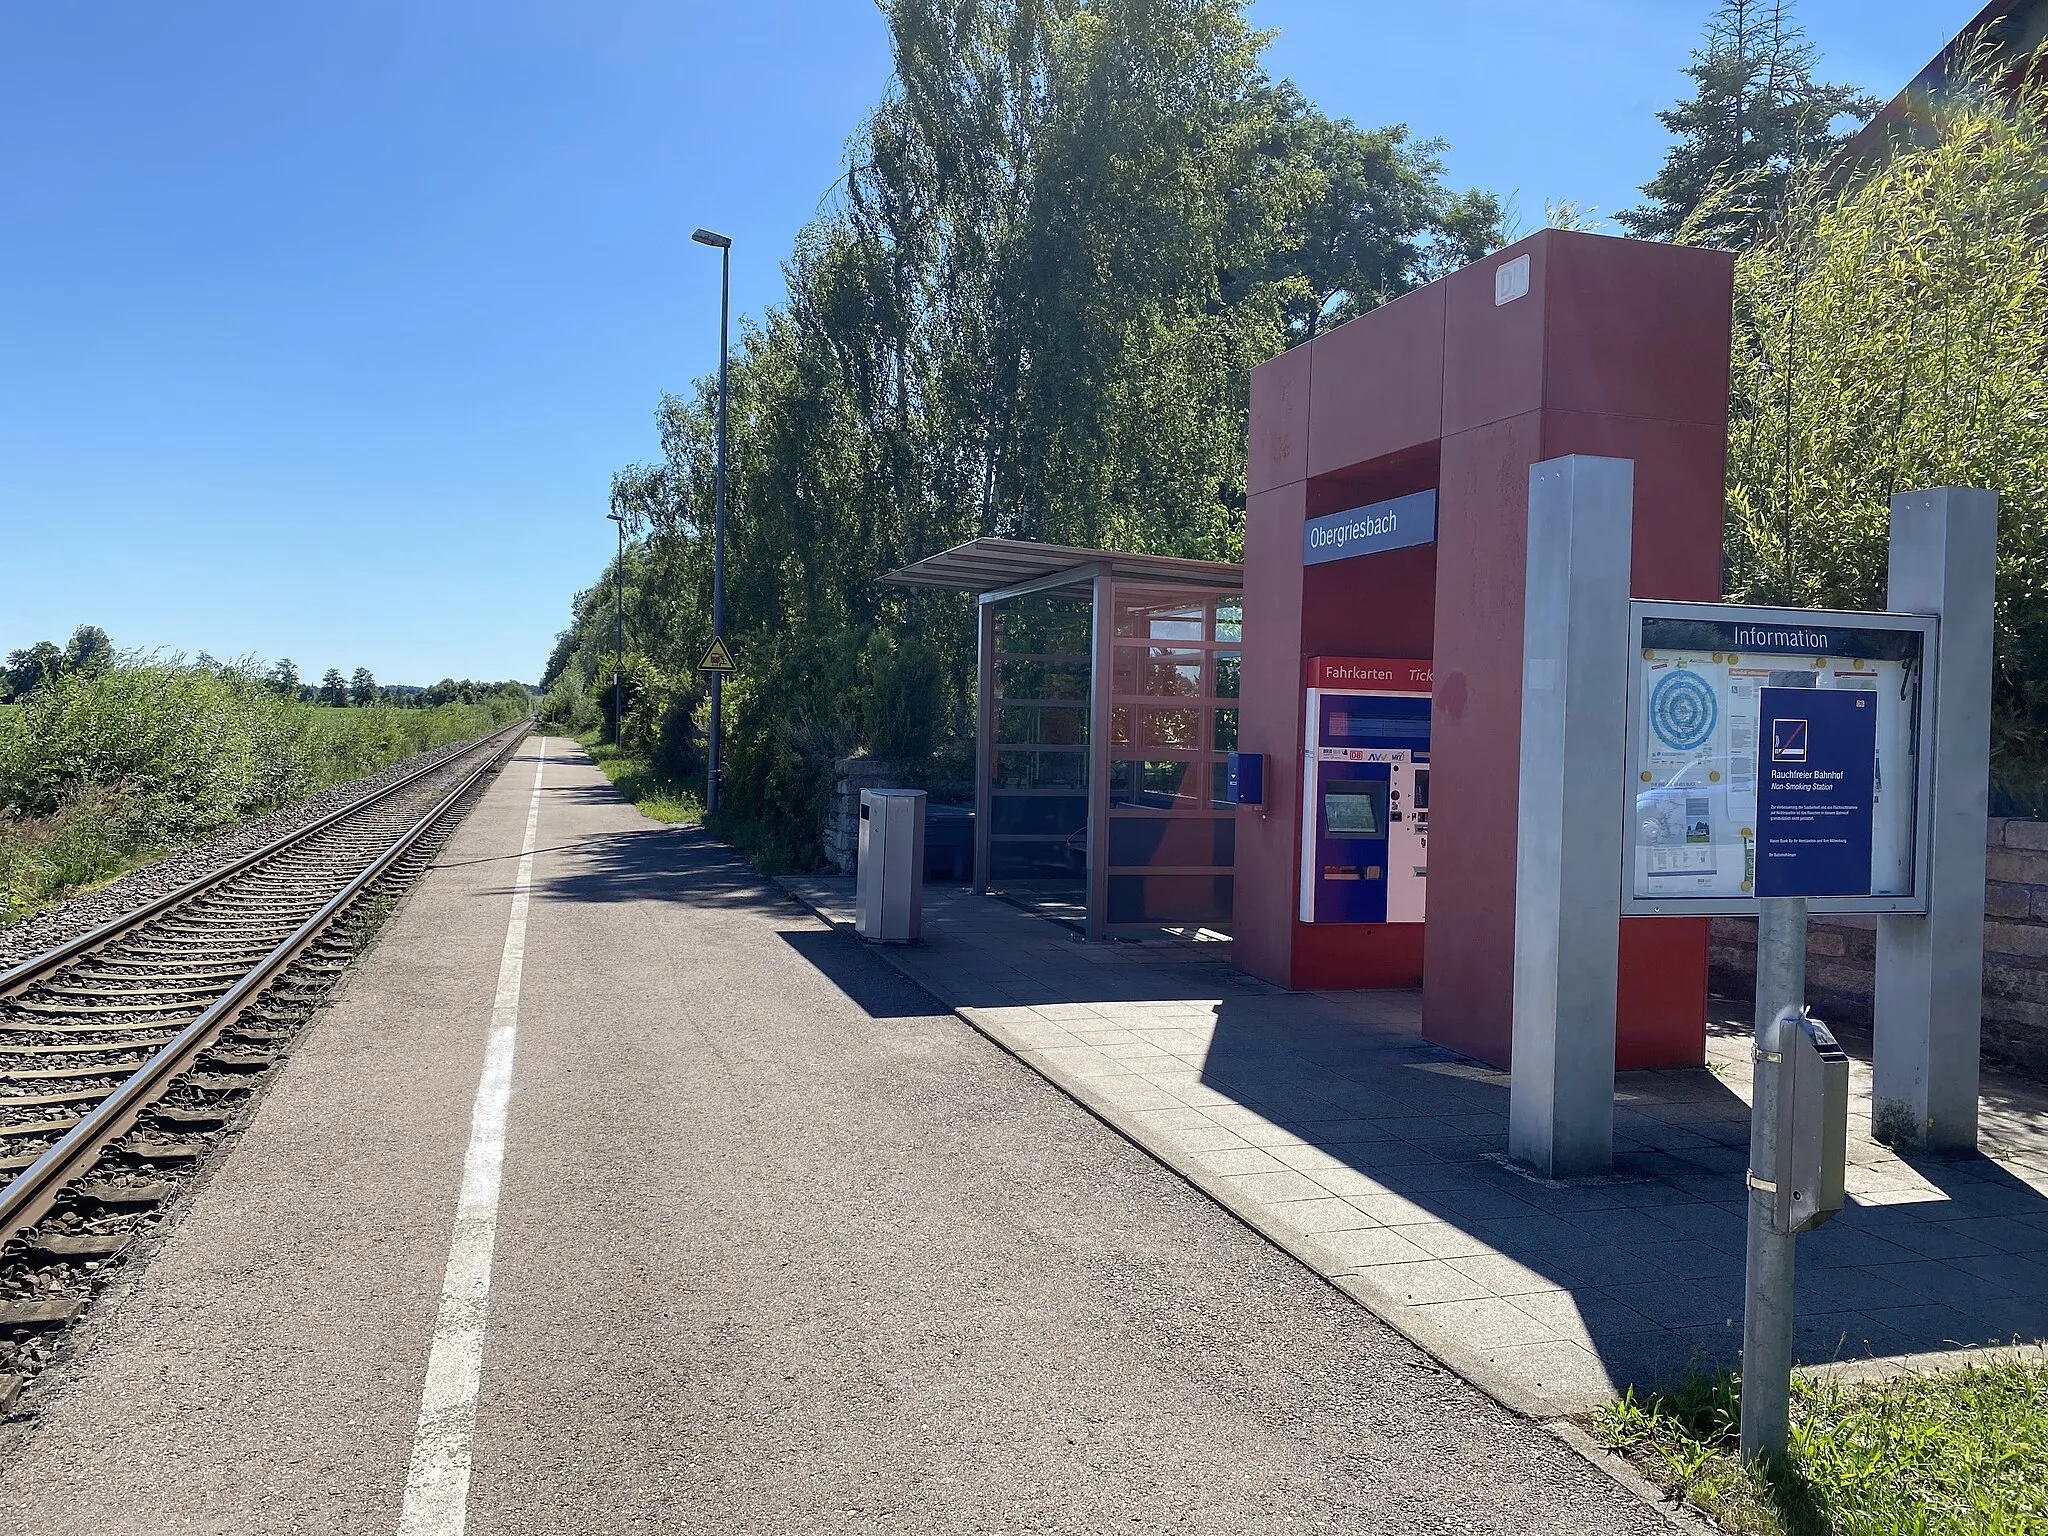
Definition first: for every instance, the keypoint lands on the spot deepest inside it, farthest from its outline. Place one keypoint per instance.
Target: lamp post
(619, 653)
(724, 248)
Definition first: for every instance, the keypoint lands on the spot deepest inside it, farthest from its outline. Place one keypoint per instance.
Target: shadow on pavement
(870, 984)
(681, 864)
(1650, 1261)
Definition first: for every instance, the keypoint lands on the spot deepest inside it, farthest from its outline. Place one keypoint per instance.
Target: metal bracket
(1763, 1185)
(1773, 1057)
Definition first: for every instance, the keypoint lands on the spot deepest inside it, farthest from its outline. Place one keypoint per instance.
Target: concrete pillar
(1569, 822)
(1930, 969)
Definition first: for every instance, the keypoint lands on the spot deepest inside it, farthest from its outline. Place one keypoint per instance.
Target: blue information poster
(1816, 791)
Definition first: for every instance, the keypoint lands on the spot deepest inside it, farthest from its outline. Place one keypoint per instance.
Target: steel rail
(29, 970)
(32, 1193)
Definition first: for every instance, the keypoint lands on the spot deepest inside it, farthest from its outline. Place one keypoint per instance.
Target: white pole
(1767, 1308)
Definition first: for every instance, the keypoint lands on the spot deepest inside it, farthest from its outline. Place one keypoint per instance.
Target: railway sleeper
(239, 1061)
(202, 1081)
(95, 1068)
(191, 1117)
(43, 1312)
(90, 1093)
(256, 1034)
(51, 1126)
(104, 1194)
(147, 1150)
(76, 1247)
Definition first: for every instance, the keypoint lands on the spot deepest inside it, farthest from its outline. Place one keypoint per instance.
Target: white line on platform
(437, 1485)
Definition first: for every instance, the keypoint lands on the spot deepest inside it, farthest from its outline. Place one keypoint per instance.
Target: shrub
(569, 705)
(103, 765)
(785, 727)
(905, 706)
(1890, 336)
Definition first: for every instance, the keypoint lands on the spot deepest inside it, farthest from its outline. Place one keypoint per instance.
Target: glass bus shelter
(1107, 696)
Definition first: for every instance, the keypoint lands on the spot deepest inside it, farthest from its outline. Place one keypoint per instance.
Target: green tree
(1064, 238)
(1891, 335)
(89, 649)
(1380, 221)
(362, 688)
(29, 668)
(1756, 114)
(334, 688)
(284, 677)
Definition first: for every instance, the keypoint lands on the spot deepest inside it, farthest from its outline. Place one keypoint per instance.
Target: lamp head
(708, 237)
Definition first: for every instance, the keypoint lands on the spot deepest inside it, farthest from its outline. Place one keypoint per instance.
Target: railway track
(126, 1052)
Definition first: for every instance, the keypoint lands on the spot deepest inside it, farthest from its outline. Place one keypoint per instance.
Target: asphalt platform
(740, 1231)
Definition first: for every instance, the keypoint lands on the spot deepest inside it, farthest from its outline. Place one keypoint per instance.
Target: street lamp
(724, 247)
(619, 654)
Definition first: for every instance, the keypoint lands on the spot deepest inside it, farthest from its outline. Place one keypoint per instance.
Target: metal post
(1930, 969)
(619, 649)
(713, 732)
(984, 739)
(1101, 681)
(1767, 1308)
(1568, 835)
(718, 537)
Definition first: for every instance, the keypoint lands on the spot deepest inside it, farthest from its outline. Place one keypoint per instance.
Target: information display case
(1730, 781)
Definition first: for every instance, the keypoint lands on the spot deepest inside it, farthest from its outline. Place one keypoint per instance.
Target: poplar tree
(1063, 240)
(1755, 114)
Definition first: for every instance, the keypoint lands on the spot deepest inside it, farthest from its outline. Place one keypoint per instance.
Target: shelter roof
(991, 565)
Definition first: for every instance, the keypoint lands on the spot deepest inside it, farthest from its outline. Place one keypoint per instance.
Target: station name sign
(1370, 530)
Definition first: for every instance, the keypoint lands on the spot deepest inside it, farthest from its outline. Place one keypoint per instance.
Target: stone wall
(851, 775)
(1841, 952)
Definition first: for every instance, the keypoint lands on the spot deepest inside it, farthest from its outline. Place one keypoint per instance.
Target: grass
(106, 769)
(654, 795)
(1929, 1455)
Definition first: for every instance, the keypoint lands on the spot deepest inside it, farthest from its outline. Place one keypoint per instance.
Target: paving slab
(782, 1246)
(1552, 1297)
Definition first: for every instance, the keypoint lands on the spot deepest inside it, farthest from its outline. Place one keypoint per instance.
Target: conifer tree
(1757, 113)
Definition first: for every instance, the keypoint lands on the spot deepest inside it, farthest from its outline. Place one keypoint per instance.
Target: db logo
(1788, 741)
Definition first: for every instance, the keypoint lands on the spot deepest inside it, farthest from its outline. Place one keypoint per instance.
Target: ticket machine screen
(1355, 810)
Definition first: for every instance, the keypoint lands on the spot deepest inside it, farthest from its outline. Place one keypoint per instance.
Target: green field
(107, 769)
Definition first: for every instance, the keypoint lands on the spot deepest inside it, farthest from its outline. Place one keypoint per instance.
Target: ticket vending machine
(1365, 820)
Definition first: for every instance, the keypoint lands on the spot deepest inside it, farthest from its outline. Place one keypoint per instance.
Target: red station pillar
(1617, 348)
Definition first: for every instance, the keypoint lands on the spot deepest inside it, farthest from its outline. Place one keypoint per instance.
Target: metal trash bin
(888, 881)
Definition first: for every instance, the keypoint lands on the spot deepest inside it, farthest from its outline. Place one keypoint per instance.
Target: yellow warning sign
(717, 659)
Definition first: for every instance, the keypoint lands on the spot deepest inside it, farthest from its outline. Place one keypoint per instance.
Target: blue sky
(323, 328)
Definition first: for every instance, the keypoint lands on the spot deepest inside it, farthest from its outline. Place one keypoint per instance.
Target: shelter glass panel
(1171, 840)
(1039, 761)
